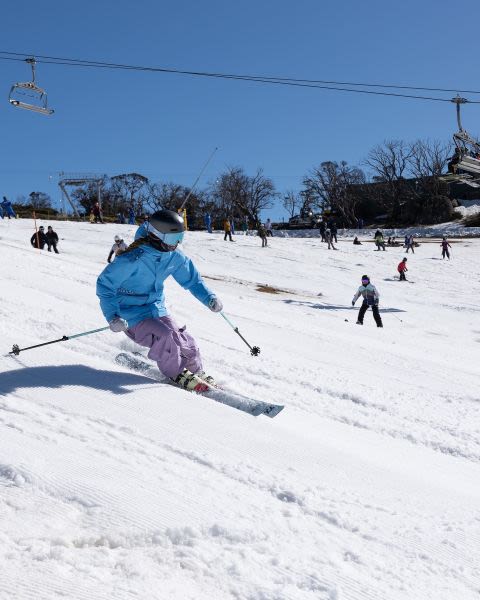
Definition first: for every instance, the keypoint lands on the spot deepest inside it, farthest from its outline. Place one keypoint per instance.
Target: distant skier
(118, 248)
(322, 227)
(357, 242)
(245, 225)
(52, 239)
(39, 239)
(333, 230)
(402, 269)
(371, 298)
(329, 240)
(379, 240)
(410, 243)
(445, 246)
(132, 298)
(227, 228)
(208, 222)
(97, 213)
(262, 232)
(268, 228)
(8, 208)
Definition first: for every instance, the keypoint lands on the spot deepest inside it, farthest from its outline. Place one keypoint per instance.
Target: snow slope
(365, 487)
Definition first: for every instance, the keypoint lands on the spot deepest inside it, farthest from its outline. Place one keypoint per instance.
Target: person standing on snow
(208, 222)
(445, 246)
(322, 228)
(132, 298)
(227, 228)
(410, 243)
(8, 208)
(52, 239)
(329, 240)
(379, 240)
(39, 239)
(118, 248)
(371, 298)
(262, 232)
(268, 228)
(402, 269)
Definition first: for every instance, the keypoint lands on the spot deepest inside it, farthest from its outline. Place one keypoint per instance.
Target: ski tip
(272, 410)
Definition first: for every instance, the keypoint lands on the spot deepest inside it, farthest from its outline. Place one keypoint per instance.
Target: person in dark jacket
(322, 226)
(97, 213)
(52, 239)
(39, 239)
(333, 231)
(445, 246)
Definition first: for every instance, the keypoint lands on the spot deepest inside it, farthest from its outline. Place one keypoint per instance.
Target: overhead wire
(266, 79)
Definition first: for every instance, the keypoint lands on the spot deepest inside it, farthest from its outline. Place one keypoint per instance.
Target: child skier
(370, 298)
(132, 298)
(445, 246)
(402, 269)
(118, 248)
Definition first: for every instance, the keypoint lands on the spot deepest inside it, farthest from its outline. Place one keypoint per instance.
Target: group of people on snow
(40, 239)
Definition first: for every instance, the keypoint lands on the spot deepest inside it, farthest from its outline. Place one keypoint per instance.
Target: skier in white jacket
(371, 298)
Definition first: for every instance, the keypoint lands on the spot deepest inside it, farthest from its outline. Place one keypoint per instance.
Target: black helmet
(166, 226)
(365, 278)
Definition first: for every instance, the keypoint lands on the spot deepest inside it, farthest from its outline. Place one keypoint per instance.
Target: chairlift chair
(28, 95)
(468, 148)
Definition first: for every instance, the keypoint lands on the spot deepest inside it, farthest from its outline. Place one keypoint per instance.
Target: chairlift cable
(308, 83)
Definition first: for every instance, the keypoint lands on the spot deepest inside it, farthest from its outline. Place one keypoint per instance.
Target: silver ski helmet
(166, 226)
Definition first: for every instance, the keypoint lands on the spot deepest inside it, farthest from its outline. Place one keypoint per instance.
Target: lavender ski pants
(171, 346)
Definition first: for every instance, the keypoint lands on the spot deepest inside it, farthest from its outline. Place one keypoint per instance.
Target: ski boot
(207, 378)
(191, 382)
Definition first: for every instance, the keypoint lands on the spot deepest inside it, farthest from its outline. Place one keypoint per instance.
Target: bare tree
(291, 202)
(330, 186)
(429, 158)
(238, 194)
(128, 187)
(389, 163)
(39, 200)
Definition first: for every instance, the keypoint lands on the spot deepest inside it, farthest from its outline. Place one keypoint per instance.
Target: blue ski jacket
(131, 287)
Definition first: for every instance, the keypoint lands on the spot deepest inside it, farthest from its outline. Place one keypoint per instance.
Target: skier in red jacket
(402, 269)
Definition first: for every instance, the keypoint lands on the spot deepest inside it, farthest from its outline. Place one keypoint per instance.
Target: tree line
(403, 186)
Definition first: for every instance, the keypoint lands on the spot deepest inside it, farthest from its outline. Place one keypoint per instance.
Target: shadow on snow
(336, 306)
(68, 375)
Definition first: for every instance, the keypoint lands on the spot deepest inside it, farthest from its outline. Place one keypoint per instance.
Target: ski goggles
(170, 239)
(365, 280)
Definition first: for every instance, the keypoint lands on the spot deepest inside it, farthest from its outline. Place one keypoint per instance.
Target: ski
(136, 362)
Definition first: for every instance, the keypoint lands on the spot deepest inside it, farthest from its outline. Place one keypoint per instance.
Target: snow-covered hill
(114, 486)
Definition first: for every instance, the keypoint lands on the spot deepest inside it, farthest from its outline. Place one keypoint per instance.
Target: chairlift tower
(76, 180)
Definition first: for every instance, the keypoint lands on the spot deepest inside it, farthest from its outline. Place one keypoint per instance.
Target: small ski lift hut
(468, 149)
(28, 95)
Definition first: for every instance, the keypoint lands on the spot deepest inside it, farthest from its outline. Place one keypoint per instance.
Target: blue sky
(165, 126)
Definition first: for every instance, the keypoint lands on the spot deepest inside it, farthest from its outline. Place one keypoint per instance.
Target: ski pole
(16, 349)
(254, 350)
